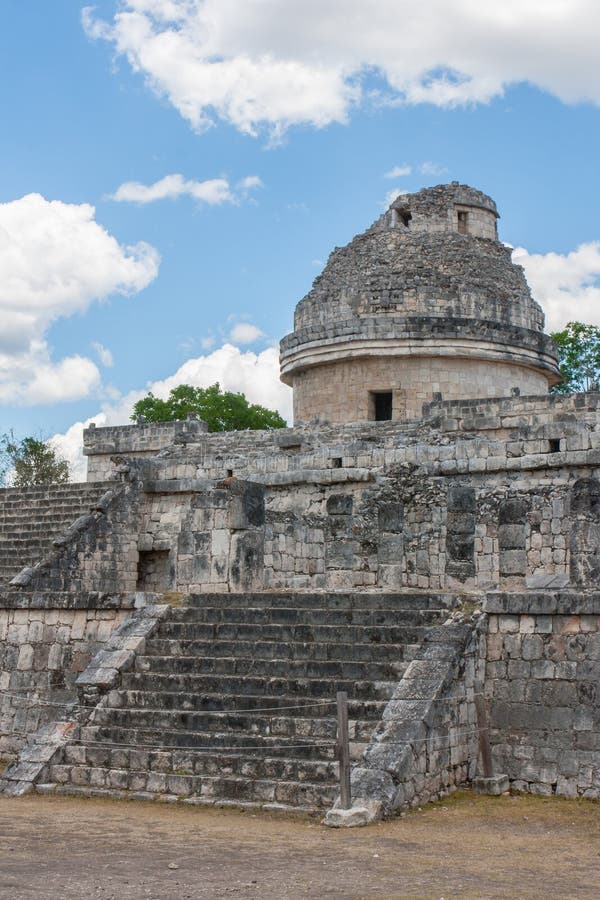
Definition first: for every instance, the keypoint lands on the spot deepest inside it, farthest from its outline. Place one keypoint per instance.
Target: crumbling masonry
(427, 534)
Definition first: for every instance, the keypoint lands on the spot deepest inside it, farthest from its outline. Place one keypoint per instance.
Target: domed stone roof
(427, 282)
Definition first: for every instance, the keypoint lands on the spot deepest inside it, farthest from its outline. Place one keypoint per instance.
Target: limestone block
(357, 816)
(495, 785)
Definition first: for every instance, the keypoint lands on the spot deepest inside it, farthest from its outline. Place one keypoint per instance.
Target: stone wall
(496, 493)
(435, 210)
(46, 641)
(100, 445)
(542, 675)
(342, 391)
(201, 535)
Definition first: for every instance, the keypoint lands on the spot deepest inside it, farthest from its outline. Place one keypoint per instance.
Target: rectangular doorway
(381, 406)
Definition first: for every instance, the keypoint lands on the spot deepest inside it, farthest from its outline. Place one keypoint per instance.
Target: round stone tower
(426, 302)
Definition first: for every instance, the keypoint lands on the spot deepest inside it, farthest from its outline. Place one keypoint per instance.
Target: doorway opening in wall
(463, 222)
(153, 570)
(380, 405)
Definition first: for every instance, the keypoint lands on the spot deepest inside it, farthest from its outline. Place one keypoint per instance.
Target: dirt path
(517, 847)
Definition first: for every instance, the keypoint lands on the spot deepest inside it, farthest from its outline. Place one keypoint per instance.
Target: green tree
(30, 461)
(221, 410)
(578, 357)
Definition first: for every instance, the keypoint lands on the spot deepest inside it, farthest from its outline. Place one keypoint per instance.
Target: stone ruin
(426, 538)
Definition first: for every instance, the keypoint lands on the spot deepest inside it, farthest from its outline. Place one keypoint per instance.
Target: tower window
(381, 406)
(405, 216)
(463, 222)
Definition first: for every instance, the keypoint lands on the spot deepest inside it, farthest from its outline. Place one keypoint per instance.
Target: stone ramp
(233, 698)
(31, 518)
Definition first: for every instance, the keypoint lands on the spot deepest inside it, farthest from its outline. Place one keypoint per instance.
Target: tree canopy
(30, 461)
(221, 410)
(578, 357)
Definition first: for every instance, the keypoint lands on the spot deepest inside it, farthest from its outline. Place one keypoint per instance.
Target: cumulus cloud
(55, 260)
(254, 374)
(245, 333)
(432, 168)
(398, 172)
(214, 191)
(392, 195)
(104, 354)
(250, 183)
(567, 286)
(255, 63)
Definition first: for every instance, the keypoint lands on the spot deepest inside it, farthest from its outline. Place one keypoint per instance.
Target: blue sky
(282, 119)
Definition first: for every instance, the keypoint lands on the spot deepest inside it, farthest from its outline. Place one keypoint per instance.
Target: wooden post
(484, 739)
(343, 749)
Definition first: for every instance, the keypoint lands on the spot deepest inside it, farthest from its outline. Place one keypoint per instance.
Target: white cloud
(567, 286)
(250, 183)
(245, 333)
(398, 172)
(431, 168)
(104, 354)
(264, 63)
(391, 196)
(55, 260)
(214, 191)
(254, 374)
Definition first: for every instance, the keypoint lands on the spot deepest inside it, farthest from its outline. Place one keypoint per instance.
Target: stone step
(156, 739)
(43, 514)
(218, 702)
(56, 490)
(272, 668)
(243, 789)
(320, 600)
(295, 633)
(373, 651)
(185, 762)
(304, 688)
(13, 544)
(292, 615)
(202, 714)
(287, 724)
(15, 510)
(30, 518)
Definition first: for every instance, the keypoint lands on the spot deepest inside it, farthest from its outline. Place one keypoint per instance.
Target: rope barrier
(39, 701)
(113, 745)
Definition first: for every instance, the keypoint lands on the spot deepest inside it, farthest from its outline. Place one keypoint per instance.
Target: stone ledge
(315, 476)
(547, 603)
(62, 600)
(118, 654)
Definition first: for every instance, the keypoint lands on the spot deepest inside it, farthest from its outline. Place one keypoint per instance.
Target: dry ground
(473, 847)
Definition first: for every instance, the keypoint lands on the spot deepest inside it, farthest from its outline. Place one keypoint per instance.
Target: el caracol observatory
(425, 304)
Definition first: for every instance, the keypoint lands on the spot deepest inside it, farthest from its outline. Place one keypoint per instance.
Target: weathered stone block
(390, 517)
(494, 785)
(247, 505)
(339, 505)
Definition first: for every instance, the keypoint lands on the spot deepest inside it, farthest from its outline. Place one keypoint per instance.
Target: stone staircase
(233, 699)
(30, 519)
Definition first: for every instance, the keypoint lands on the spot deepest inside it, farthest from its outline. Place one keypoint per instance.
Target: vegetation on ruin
(30, 461)
(578, 357)
(221, 410)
